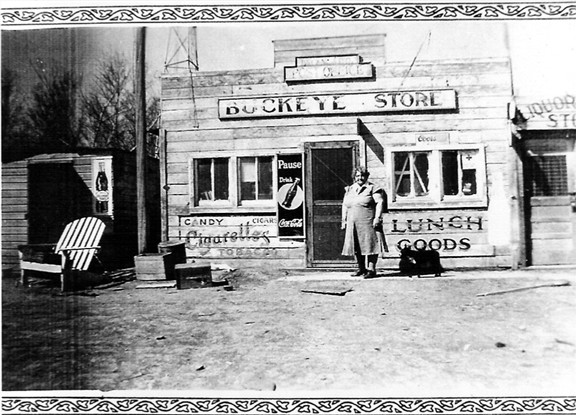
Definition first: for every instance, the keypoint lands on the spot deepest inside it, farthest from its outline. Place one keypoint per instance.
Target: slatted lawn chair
(74, 251)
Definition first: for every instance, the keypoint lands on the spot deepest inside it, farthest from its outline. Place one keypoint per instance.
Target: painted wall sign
(102, 186)
(328, 60)
(432, 138)
(328, 72)
(230, 231)
(337, 104)
(558, 112)
(248, 237)
(290, 197)
(452, 236)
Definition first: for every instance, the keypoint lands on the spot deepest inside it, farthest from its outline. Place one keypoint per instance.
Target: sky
(543, 53)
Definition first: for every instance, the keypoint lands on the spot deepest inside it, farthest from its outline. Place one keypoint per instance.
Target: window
(547, 175)
(459, 169)
(443, 177)
(212, 179)
(255, 178)
(232, 181)
(411, 173)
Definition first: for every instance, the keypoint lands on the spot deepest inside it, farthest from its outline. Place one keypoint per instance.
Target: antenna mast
(182, 58)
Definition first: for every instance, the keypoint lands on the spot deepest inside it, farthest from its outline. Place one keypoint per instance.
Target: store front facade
(256, 161)
(545, 132)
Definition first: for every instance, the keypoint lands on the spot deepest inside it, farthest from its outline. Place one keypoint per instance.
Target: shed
(41, 194)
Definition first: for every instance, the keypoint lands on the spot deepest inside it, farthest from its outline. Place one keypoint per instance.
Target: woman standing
(362, 218)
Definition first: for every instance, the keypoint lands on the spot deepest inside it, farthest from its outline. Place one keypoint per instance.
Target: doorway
(550, 200)
(52, 199)
(329, 167)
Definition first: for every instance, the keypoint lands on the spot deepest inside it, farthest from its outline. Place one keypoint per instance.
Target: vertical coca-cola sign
(290, 197)
(102, 186)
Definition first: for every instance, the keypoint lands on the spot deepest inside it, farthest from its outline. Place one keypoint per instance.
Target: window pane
(402, 173)
(265, 178)
(469, 162)
(221, 179)
(331, 170)
(421, 174)
(548, 175)
(204, 179)
(469, 182)
(247, 168)
(450, 172)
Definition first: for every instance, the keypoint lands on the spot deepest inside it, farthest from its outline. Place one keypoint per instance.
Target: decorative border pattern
(49, 16)
(289, 406)
(149, 15)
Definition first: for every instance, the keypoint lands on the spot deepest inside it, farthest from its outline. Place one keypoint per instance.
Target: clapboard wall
(14, 209)
(483, 86)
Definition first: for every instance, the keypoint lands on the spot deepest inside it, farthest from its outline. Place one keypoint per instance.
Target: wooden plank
(530, 287)
(207, 114)
(550, 201)
(389, 70)
(566, 235)
(324, 43)
(467, 87)
(274, 137)
(246, 253)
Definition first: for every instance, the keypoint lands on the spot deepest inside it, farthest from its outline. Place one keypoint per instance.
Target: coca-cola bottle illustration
(101, 179)
(102, 188)
(290, 194)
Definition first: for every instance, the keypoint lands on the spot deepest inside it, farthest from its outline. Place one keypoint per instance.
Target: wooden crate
(152, 267)
(193, 276)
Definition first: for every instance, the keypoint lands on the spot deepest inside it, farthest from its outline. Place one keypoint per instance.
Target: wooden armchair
(75, 250)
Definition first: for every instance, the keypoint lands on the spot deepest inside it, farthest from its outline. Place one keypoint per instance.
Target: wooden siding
(370, 47)
(14, 209)
(483, 89)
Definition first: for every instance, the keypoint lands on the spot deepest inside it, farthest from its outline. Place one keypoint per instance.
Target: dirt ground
(398, 336)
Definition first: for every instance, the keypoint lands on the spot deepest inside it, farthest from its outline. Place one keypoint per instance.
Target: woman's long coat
(361, 209)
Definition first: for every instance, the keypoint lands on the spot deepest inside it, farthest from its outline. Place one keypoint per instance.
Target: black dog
(418, 262)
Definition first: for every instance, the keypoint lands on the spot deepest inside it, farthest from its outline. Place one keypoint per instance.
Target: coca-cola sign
(290, 196)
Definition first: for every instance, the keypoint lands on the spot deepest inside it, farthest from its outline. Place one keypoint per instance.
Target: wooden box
(193, 276)
(151, 267)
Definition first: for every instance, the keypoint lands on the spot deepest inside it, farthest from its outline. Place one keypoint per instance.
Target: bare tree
(16, 140)
(52, 112)
(109, 106)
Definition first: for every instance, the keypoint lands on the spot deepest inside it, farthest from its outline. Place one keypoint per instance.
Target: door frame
(358, 157)
(528, 231)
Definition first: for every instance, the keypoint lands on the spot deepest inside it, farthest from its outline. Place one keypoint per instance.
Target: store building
(255, 162)
(544, 135)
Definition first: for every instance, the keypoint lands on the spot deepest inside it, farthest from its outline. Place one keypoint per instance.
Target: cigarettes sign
(336, 104)
(290, 197)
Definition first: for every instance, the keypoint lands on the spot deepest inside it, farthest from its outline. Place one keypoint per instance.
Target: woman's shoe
(359, 273)
(370, 274)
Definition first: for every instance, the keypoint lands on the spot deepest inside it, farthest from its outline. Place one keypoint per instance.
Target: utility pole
(141, 153)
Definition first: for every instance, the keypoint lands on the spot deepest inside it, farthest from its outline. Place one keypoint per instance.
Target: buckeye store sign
(338, 104)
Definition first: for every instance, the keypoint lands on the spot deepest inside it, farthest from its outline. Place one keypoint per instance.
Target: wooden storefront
(545, 136)
(41, 194)
(434, 134)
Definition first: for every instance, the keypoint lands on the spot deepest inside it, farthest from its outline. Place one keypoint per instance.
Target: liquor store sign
(290, 197)
(338, 104)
